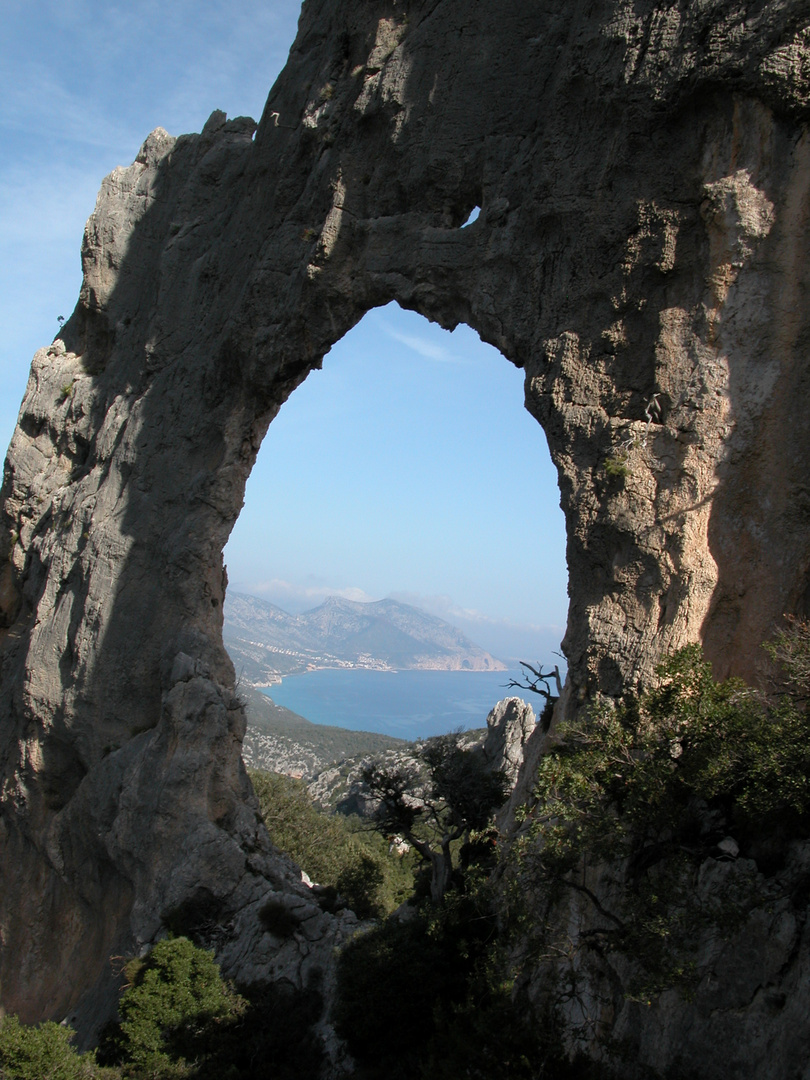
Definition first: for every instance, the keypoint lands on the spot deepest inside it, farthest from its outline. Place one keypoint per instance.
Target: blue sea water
(404, 704)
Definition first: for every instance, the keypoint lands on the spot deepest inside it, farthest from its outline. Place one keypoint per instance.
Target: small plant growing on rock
(618, 464)
(276, 917)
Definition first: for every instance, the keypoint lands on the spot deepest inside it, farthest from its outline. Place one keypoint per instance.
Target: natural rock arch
(642, 173)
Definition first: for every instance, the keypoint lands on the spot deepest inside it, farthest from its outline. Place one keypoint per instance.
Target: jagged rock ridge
(265, 642)
(642, 171)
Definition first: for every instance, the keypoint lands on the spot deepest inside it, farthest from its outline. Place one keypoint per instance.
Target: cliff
(642, 172)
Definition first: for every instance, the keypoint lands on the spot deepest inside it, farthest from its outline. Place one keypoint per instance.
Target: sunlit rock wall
(642, 172)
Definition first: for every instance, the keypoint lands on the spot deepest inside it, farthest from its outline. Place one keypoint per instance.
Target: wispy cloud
(41, 101)
(46, 208)
(84, 82)
(430, 350)
(508, 639)
(296, 597)
(446, 608)
(181, 61)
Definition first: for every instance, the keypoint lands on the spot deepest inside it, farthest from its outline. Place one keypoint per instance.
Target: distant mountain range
(267, 643)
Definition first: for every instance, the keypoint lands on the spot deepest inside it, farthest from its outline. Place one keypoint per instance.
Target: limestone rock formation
(510, 724)
(747, 1016)
(642, 170)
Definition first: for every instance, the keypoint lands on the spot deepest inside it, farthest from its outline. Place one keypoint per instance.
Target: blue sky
(407, 467)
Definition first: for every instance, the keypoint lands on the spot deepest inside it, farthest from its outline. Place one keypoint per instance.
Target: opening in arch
(406, 470)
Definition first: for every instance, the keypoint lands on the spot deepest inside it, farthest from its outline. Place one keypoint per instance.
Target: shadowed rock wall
(642, 170)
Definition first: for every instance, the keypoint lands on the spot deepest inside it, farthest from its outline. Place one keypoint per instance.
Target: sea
(404, 704)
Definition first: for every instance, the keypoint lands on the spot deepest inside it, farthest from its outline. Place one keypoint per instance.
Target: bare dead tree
(537, 681)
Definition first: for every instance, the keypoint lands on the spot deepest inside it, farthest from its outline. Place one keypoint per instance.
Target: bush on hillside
(433, 999)
(652, 786)
(43, 1052)
(173, 998)
(449, 791)
(180, 1019)
(333, 850)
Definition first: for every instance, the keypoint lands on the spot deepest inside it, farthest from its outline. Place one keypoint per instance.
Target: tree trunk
(441, 869)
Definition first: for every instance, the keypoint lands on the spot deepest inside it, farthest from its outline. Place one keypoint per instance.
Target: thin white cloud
(291, 596)
(508, 639)
(446, 608)
(39, 100)
(244, 53)
(430, 350)
(181, 61)
(47, 208)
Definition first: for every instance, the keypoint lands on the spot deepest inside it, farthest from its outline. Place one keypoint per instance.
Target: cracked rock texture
(746, 1018)
(642, 170)
(510, 725)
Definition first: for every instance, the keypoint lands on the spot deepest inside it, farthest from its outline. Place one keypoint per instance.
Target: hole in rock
(473, 216)
(407, 469)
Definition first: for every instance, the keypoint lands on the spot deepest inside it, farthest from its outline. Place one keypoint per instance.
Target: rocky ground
(330, 760)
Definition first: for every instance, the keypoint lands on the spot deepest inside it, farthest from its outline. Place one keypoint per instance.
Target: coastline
(410, 703)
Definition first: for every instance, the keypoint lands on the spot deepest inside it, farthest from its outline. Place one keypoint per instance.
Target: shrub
(270, 1037)
(432, 998)
(333, 850)
(389, 980)
(618, 464)
(276, 917)
(315, 841)
(652, 785)
(180, 1019)
(41, 1053)
(359, 882)
(166, 1010)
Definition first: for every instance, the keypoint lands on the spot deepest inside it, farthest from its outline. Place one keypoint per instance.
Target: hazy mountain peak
(266, 642)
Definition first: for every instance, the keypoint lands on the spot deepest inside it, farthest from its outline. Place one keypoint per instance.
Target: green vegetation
(618, 464)
(454, 793)
(335, 851)
(42, 1053)
(642, 796)
(173, 997)
(650, 789)
(430, 998)
(181, 1021)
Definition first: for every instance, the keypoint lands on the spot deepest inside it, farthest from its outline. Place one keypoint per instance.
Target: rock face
(509, 726)
(642, 170)
(747, 1017)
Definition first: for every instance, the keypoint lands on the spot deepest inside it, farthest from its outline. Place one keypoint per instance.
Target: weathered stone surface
(747, 1017)
(642, 170)
(510, 724)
